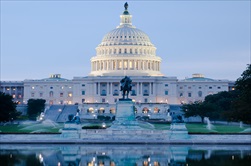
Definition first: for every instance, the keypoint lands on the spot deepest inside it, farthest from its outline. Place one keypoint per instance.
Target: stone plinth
(178, 131)
(125, 118)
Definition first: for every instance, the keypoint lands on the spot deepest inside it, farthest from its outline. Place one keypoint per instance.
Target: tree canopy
(242, 105)
(35, 107)
(198, 108)
(8, 110)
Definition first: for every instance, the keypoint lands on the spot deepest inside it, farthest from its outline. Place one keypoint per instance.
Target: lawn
(193, 128)
(216, 128)
(34, 128)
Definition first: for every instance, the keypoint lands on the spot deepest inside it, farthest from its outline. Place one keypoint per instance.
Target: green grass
(14, 128)
(193, 128)
(162, 126)
(216, 128)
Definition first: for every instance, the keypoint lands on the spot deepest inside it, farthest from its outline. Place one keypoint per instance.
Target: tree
(8, 110)
(198, 108)
(222, 104)
(243, 103)
(35, 107)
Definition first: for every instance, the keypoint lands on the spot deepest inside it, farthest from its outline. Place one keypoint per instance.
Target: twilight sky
(42, 37)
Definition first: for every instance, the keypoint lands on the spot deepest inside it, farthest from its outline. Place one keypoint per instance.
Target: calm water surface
(125, 155)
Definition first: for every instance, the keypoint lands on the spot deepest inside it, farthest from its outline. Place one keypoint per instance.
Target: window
(189, 87)
(145, 93)
(133, 93)
(115, 100)
(166, 84)
(61, 94)
(83, 92)
(181, 94)
(19, 96)
(166, 92)
(13, 96)
(83, 100)
(116, 93)
(62, 87)
(189, 94)
(103, 100)
(219, 87)
(51, 94)
(210, 87)
(41, 94)
(181, 87)
(51, 87)
(32, 94)
(103, 92)
(200, 93)
(69, 94)
(33, 87)
(83, 84)
(146, 100)
(199, 87)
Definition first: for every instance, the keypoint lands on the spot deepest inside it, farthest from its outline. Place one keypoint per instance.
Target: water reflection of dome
(126, 50)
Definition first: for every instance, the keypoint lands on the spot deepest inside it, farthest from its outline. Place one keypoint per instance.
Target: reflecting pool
(124, 155)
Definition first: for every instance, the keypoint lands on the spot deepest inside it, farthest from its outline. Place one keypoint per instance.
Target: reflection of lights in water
(10, 155)
(93, 159)
(186, 164)
(103, 153)
(59, 164)
(149, 159)
(103, 125)
(59, 110)
(232, 157)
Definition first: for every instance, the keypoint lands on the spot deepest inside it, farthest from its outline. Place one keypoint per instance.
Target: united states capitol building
(124, 51)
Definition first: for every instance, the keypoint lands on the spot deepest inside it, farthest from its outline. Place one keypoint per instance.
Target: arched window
(101, 110)
(156, 110)
(112, 110)
(90, 110)
(51, 94)
(145, 110)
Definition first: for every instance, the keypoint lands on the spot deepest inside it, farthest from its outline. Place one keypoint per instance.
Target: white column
(98, 88)
(95, 89)
(137, 88)
(141, 88)
(107, 88)
(150, 88)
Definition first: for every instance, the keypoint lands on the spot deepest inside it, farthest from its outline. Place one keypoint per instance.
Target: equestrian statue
(126, 86)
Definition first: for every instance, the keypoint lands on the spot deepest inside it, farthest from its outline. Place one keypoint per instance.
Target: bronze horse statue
(126, 86)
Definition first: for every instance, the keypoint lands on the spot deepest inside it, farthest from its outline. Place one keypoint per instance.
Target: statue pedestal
(178, 131)
(125, 118)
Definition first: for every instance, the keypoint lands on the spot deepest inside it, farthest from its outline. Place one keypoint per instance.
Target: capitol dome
(126, 50)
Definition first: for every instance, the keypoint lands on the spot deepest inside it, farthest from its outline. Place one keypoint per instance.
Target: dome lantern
(125, 18)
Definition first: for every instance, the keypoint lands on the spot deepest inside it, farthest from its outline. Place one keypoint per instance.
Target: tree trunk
(202, 119)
